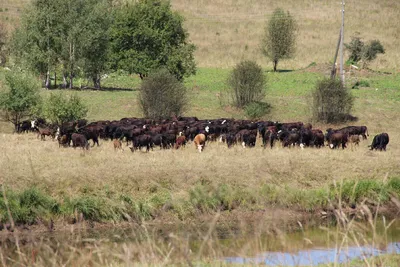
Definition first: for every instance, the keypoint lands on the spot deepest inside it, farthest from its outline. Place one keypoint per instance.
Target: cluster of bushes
(33, 205)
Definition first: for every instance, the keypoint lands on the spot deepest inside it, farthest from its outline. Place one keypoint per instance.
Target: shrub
(58, 108)
(362, 83)
(162, 95)
(246, 83)
(361, 51)
(257, 110)
(332, 102)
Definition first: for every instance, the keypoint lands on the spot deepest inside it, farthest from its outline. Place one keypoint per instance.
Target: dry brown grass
(27, 161)
(228, 31)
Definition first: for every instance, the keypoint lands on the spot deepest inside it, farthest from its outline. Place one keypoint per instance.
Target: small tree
(359, 51)
(162, 95)
(59, 109)
(246, 83)
(332, 102)
(280, 37)
(20, 98)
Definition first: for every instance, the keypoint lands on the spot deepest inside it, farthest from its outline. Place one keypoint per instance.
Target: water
(316, 256)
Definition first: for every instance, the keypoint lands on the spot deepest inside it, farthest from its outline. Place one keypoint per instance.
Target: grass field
(228, 31)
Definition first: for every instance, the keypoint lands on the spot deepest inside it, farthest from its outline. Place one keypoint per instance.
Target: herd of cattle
(176, 132)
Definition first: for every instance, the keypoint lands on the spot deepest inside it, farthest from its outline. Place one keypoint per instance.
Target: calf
(354, 140)
(63, 141)
(42, 132)
(200, 142)
(117, 145)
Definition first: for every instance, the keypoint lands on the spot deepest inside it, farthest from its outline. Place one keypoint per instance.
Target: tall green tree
(35, 44)
(279, 40)
(3, 42)
(20, 98)
(67, 33)
(148, 35)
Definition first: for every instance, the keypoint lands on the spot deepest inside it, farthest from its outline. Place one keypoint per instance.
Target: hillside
(226, 31)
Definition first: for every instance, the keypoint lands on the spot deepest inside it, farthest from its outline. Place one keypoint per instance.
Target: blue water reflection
(315, 256)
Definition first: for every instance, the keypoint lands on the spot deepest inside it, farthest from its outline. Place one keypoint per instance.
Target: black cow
(380, 142)
(141, 141)
(269, 137)
(79, 140)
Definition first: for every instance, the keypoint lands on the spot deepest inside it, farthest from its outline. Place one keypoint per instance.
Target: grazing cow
(354, 140)
(79, 140)
(117, 145)
(293, 138)
(318, 138)
(200, 142)
(157, 140)
(380, 142)
(42, 132)
(337, 139)
(180, 142)
(230, 139)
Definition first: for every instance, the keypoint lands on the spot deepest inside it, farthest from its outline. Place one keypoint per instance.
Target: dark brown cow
(337, 139)
(180, 142)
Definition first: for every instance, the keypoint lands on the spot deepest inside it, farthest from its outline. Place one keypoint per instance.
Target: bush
(246, 83)
(361, 51)
(362, 83)
(162, 95)
(332, 102)
(59, 108)
(256, 110)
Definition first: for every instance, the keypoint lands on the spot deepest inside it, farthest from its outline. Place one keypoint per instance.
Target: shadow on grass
(89, 88)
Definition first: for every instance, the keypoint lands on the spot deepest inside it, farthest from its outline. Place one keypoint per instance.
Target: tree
(20, 98)
(359, 51)
(246, 83)
(70, 33)
(280, 37)
(332, 102)
(148, 35)
(59, 108)
(162, 95)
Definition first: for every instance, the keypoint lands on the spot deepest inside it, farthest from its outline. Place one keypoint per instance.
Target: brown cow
(63, 141)
(117, 145)
(200, 142)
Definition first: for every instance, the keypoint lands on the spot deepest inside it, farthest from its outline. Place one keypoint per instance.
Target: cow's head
(331, 145)
(33, 124)
(207, 129)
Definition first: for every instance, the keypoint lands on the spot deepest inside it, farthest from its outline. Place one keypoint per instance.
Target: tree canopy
(148, 35)
(279, 40)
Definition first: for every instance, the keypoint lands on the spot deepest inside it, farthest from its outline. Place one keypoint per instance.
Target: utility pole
(341, 45)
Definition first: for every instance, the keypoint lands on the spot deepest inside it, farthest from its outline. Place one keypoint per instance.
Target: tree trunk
(48, 81)
(275, 65)
(55, 80)
(71, 79)
(64, 80)
(96, 81)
